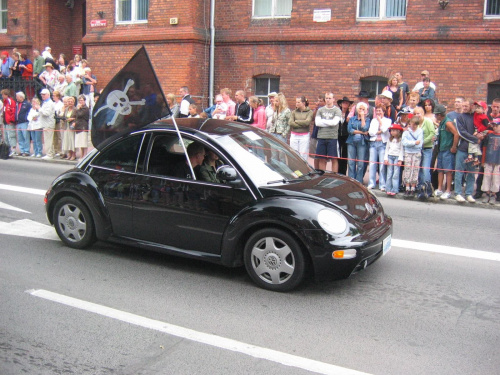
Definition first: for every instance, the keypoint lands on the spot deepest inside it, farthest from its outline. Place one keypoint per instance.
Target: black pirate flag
(131, 100)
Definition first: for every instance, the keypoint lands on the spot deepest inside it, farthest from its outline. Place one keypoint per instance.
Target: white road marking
(20, 189)
(204, 338)
(6, 206)
(28, 228)
(449, 250)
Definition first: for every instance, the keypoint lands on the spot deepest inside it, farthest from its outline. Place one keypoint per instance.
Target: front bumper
(368, 246)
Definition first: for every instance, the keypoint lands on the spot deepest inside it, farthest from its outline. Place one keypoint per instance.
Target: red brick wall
(456, 44)
(172, 68)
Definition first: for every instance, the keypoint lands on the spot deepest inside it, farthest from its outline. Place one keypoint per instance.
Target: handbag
(4, 151)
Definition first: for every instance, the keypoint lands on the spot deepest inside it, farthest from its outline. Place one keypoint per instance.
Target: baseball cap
(482, 104)
(426, 72)
(272, 94)
(45, 91)
(439, 109)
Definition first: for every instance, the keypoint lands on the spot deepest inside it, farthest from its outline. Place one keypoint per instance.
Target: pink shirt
(259, 117)
(230, 108)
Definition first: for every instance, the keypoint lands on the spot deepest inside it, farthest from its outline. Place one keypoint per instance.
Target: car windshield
(265, 159)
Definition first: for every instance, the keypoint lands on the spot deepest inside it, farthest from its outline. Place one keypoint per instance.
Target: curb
(54, 161)
(435, 200)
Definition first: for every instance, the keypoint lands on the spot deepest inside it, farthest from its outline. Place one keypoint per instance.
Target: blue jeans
(36, 136)
(356, 154)
(424, 175)
(9, 131)
(392, 182)
(377, 152)
(23, 137)
(469, 179)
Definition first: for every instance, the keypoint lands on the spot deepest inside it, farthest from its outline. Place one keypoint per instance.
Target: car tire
(274, 260)
(74, 223)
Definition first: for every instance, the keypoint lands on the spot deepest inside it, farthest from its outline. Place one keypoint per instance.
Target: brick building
(295, 46)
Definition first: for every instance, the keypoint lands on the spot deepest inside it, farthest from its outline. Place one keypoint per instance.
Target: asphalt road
(412, 312)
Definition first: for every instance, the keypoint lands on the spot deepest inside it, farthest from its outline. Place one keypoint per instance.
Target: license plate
(386, 245)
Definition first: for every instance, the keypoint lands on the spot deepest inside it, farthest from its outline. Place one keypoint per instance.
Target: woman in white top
(379, 135)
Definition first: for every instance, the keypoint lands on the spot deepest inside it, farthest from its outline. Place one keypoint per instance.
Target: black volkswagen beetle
(266, 208)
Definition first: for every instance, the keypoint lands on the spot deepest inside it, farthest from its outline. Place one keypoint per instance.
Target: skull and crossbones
(119, 102)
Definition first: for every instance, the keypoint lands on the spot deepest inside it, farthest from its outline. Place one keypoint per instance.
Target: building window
(493, 91)
(264, 85)
(492, 8)
(3, 15)
(132, 11)
(374, 85)
(381, 9)
(272, 8)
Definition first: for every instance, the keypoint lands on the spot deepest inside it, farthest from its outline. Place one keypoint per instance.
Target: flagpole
(183, 147)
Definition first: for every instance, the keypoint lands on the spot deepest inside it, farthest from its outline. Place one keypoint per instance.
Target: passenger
(207, 170)
(193, 111)
(196, 154)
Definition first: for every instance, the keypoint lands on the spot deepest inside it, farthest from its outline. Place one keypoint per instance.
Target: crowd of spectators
(405, 142)
(56, 118)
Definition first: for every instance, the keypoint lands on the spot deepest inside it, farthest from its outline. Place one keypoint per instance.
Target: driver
(196, 154)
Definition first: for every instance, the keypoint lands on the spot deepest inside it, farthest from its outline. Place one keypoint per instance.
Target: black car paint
(287, 206)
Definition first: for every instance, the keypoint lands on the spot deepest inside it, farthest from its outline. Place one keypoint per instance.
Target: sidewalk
(434, 200)
(56, 160)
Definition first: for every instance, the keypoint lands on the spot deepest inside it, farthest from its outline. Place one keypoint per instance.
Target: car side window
(166, 153)
(121, 155)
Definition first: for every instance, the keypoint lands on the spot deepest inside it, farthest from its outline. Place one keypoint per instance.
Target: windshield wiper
(316, 171)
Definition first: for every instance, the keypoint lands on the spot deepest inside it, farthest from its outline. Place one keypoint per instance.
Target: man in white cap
(47, 53)
(48, 123)
(390, 111)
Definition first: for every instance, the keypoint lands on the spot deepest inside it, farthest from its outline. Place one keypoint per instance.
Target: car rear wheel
(274, 260)
(73, 222)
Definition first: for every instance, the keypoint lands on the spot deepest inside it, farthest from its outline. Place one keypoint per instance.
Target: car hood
(333, 189)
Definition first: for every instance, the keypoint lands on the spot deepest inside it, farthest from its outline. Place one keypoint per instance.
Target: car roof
(190, 125)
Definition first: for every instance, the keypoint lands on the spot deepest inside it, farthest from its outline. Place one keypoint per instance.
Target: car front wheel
(73, 222)
(274, 260)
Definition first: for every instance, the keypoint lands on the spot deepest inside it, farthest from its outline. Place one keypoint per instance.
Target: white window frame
(381, 17)
(134, 19)
(265, 97)
(3, 28)
(486, 7)
(273, 10)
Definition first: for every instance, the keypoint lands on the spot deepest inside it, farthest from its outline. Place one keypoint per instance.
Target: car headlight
(332, 221)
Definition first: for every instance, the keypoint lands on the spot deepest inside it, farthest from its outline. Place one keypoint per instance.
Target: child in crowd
(220, 110)
(393, 159)
(193, 111)
(412, 140)
(403, 117)
(481, 124)
(491, 179)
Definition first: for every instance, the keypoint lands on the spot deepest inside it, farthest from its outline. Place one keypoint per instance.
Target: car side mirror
(226, 173)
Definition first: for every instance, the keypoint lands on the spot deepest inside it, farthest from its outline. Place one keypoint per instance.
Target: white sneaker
(370, 187)
(47, 157)
(39, 156)
(438, 193)
(444, 196)
(470, 199)
(459, 198)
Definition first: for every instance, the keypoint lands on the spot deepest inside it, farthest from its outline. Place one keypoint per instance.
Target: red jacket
(9, 111)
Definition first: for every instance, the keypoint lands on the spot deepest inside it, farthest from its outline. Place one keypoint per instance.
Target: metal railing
(30, 86)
